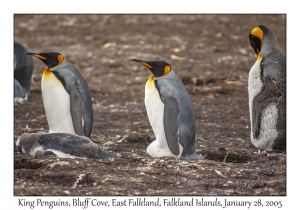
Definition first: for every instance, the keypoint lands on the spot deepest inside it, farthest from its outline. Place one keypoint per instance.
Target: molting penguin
(267, 91)
(170, 112)
(66, 96)
(23, 69)
(61, 144)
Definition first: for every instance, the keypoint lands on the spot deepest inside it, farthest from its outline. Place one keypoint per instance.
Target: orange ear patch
(258, 33)
(167, 69)
(47, 73)
(60, 58)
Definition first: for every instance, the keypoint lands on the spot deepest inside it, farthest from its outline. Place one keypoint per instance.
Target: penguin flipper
(171, 112)
(76, 110)
(268, 95)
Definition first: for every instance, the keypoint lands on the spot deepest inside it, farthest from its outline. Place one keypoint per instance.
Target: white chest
(155, 112)
(254, 82)
(57, 105)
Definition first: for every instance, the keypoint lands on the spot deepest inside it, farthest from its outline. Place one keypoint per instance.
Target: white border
(8, 201)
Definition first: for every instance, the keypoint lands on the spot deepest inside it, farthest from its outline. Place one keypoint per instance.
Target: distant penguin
(66, 96)
(267, 91)
(63, 145)
(170, 112)
(23, 69)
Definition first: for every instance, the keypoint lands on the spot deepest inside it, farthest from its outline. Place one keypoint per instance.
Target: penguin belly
(57, 104)
(155, 112)
(62, 154)
(268, 131)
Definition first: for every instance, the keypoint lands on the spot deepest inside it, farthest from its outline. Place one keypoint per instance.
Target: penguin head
(263, 40)
(51, 59)
(18, 145)
(158, 68)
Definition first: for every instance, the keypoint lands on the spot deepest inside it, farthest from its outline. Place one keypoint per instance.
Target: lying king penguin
(63, 145)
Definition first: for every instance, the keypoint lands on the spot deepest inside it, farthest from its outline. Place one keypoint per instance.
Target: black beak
(30, 53)
(136, 60)
(145, 63)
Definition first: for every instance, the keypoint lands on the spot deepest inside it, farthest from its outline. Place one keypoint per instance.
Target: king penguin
(23, 69)
(267, 91)
(63, 145)
(170, 112)
(66, 96)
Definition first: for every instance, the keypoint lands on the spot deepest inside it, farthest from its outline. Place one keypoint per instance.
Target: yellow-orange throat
(150, 82)
(47, 72)
(259, 57)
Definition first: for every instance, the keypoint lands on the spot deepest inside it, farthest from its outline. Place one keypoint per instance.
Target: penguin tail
(105, 155)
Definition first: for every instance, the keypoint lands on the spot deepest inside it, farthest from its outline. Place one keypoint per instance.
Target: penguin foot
(20, 100)
(194, 156)
(156, 150)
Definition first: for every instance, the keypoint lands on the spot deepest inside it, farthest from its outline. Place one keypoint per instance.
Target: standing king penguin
(66, 96)
(170, 112)
(23, 69)
(267, 92)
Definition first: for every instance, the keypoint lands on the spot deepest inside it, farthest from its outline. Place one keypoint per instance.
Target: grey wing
(76, 110)
(271, 92)
(171, 112)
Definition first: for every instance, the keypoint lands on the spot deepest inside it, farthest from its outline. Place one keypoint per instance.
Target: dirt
(211, 54)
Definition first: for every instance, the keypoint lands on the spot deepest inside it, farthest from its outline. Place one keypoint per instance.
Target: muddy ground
(212, 55)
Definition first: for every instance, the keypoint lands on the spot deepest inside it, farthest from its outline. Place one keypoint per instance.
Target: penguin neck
(171, 72)
(47, 73)
(259, 57)
(268, 46)
(62, 64)
(149, 83)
